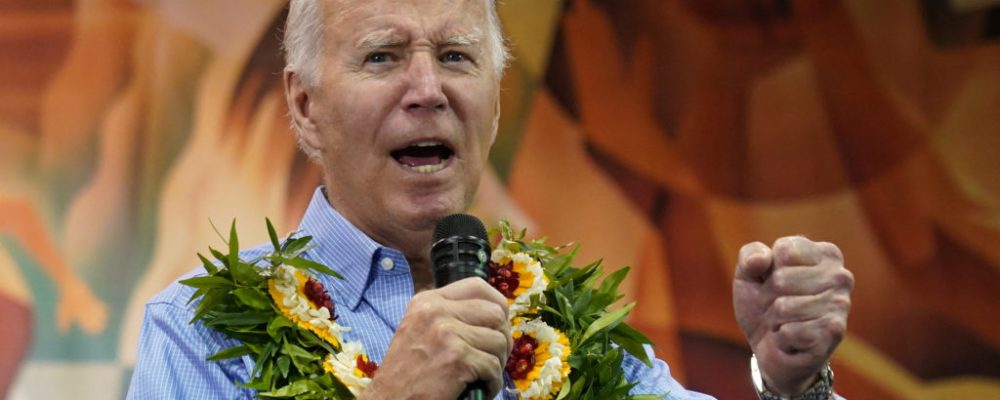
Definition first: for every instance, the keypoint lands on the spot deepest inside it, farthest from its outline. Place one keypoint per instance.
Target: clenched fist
(791, 301)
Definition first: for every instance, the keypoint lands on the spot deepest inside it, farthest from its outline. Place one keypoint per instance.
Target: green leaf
(607, 321)
(302, 263)
(264, 356)
(632, 341)
(299, 387)
(197, 293)
(294, 246)
(611, 283)
(564, 390)
(210, 266)
(232, 352)
(283, 363)
(253, 297)
(582, 304)
(278, 324)
(246, 274)
(272, 234)
(207, 282)
(241, 318)
(224, 259)
(208, 302)
(234, 244)
(301, 358)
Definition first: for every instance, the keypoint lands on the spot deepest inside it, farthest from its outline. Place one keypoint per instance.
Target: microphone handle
(474, 391)
(457, 258)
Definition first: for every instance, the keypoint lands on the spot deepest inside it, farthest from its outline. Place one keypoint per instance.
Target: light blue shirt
(371, 300)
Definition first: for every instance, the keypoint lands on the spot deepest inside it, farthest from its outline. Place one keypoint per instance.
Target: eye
(454, 57)
(378, 58)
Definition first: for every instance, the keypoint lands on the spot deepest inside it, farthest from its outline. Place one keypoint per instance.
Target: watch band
(821, 390)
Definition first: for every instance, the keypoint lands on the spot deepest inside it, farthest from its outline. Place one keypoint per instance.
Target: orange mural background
(659, 134)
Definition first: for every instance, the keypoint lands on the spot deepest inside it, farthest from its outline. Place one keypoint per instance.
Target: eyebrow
(387, 38)
(462, 40)
(379, 39)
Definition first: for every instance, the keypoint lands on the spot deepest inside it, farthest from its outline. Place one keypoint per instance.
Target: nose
(424, 91)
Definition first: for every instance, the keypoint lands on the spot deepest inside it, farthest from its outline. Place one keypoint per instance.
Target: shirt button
(386, 264)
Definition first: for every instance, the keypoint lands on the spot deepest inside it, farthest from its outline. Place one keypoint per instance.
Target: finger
(813, 339)
(830, 251)
(796, 251)
(472, 288)
(788, 309)
(489, 369)
(490, 341)
(810, 280)
(754, 263)
(478, 364)
(479, 312)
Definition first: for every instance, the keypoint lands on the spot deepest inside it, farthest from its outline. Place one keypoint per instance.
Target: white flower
(551, 367)
(344, 366)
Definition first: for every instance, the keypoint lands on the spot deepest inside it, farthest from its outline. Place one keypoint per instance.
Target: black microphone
(460, 250)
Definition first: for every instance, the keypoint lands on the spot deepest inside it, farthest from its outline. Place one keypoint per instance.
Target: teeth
(428, 169)
(427, 143)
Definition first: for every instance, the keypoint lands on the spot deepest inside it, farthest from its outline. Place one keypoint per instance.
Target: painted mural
(659, 134)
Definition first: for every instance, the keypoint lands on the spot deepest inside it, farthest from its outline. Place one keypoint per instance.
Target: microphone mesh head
(459, 225)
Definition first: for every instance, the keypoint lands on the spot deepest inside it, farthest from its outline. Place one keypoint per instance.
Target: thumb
(755, 261)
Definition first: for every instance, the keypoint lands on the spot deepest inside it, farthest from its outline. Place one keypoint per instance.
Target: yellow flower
(518, 277)
(287, 289)
(538, 362)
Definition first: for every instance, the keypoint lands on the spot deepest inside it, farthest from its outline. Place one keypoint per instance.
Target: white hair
(304, 33)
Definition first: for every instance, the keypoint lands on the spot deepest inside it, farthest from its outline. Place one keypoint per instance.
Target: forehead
(433, 19)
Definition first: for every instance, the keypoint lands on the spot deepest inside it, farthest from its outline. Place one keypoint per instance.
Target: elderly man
(398, 101)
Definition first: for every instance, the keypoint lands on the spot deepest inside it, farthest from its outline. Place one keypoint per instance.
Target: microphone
(460, 250)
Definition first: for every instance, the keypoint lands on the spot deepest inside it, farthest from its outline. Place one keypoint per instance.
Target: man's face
(405, 110)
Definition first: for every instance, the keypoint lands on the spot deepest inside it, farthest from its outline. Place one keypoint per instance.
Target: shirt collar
(341, 246)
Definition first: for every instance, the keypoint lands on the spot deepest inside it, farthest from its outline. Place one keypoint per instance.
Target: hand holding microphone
(453, 341)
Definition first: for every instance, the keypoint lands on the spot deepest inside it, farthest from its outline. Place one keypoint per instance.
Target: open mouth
(425, 157)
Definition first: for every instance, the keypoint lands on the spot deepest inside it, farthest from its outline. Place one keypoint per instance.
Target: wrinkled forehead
(439, 20)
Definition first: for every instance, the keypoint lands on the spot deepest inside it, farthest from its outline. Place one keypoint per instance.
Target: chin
(424, 214)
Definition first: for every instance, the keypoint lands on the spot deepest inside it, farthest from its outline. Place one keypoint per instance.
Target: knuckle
(782, 245)
(452, 352)
(786, 250)
(782, 306)
(835, 327)
(831, 250)
(780, 280)
(845, 278)
(841, 303)
(423, 308)
(498, 314)
(442, 331)
(747, 249)
(786, 332)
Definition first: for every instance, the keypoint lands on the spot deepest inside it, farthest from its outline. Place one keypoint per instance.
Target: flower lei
(564, 337)
(285, 320)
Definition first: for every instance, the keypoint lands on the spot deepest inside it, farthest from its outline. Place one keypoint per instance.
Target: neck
(420, 268)
(414, 244)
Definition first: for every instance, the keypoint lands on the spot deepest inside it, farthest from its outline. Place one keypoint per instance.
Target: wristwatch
(821, 390)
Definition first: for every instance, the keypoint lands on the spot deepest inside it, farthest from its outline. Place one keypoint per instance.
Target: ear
(496, 120)
(299, 110)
